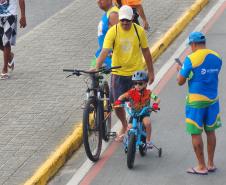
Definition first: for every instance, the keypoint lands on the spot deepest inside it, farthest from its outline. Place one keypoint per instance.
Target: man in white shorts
(8, 31)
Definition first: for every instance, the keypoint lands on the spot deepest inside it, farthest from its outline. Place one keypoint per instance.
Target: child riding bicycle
(139, 97)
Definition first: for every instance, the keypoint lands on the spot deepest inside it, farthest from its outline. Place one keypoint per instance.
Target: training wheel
(126, 150)
(160, 152)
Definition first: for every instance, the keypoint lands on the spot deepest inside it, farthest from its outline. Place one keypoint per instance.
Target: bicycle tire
(143, 148)
(106, 126)
(92, 128)
(131, 150)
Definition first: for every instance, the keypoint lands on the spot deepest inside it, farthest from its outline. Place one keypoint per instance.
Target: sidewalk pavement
(39, 107)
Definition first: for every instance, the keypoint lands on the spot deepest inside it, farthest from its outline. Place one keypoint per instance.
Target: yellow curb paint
(57, 159)
(177, 28)
(72, 142)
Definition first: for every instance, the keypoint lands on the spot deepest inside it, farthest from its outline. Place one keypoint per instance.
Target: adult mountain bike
(96, 123)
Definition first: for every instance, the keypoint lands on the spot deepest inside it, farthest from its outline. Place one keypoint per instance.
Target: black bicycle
(97, 111)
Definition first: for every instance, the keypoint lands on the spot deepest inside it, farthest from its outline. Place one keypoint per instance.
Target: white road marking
(82, 171)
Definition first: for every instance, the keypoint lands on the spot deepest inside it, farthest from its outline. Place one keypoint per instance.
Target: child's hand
(117, 102)
(155, 106)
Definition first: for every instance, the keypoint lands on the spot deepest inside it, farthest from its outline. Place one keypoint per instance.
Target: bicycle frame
(95, 86)
(136, 137)
(137, 125)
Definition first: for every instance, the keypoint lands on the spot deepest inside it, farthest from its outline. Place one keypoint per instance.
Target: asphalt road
(34, 119)
(169, 133)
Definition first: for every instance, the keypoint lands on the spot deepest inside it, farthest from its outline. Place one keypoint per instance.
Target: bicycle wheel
(106, 127)
(143, 148)
(131, 150)
(92, 138)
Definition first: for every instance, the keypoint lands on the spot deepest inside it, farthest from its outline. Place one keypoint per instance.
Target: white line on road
(82, 171)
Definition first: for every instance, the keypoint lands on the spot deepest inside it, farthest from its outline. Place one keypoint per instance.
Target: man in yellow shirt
(129, 43)
(137, 10)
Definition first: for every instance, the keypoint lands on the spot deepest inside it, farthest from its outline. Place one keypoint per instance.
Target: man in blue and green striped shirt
(201, 68)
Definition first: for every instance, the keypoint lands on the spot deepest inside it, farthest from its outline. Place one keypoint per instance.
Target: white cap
(125, 12)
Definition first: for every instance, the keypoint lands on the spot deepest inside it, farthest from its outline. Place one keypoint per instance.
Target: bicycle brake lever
(68, 75)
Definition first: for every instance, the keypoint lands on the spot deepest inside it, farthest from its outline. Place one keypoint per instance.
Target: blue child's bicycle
(136, 138)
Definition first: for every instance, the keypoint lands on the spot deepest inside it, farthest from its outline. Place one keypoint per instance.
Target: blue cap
(196, 37)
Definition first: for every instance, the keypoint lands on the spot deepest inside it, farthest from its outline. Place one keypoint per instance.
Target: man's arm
(140, 11)
(113, 19)
(148, 59)
(184, 71)
(103, 55)
(180, 79)
(22, 14)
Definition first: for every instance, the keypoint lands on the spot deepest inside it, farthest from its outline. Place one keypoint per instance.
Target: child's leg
(147, 123)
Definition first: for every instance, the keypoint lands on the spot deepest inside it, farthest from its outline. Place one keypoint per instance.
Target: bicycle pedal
(112, 134)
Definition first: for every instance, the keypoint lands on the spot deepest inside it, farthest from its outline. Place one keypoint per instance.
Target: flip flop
(4, 76)
(11, 64)
(195, 172)
(212, 169)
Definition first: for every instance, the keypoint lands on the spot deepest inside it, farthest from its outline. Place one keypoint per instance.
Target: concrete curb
(49, 168)
(57, 159)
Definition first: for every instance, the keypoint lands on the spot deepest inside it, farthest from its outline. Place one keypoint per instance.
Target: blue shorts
(120, 85)
(207, 118)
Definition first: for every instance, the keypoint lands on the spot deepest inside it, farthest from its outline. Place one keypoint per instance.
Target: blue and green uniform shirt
(204, 65)
(202, 68)
(102, 31)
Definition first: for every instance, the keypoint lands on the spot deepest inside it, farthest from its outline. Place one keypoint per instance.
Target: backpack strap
(116, 27)
(116, 30)
(137, 33)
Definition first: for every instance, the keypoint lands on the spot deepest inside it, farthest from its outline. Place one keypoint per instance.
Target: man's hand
(151, 78)
(179, 64)
(23, 22)
(92, 69)
(146, 25)
(178, 67)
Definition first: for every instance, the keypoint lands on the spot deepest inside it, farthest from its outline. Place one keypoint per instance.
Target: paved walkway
(38, 106)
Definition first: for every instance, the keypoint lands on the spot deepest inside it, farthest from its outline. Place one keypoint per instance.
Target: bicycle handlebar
(142, 112)
(78, 72)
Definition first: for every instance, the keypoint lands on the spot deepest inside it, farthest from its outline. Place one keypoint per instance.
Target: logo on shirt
(125, 45)
(209, 71)
(203, 71)
(100, 29)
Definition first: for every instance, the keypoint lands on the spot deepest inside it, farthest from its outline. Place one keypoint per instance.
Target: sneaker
(149, 145)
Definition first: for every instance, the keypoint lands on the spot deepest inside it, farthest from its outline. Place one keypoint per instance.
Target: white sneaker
(149, 145)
